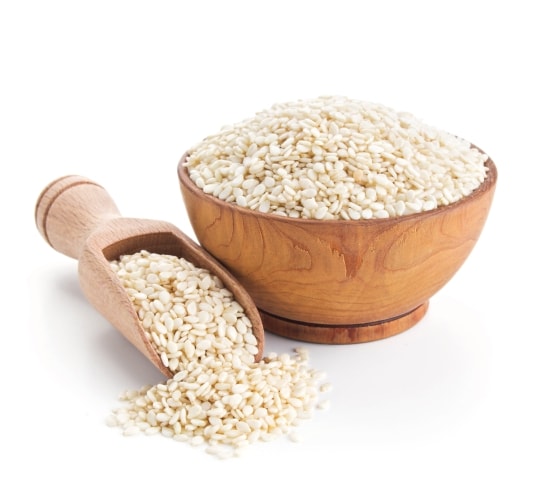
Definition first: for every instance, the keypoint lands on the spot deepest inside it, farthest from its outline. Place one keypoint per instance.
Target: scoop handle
(71, 208)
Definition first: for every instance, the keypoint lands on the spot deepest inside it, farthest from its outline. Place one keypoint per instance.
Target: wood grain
(338, 273)
(78, 218)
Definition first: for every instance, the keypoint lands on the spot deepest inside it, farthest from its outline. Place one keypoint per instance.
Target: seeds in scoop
(219, 396)
(172, 313)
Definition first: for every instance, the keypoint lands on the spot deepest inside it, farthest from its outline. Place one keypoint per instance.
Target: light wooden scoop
(78, 218)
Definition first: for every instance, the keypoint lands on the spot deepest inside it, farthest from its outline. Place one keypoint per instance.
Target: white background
(116, 91)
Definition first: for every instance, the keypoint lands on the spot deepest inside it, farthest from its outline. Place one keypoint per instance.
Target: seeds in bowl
(336, 158)
(219, 396)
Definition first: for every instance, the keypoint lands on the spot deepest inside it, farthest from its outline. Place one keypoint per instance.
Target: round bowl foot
(342, 334)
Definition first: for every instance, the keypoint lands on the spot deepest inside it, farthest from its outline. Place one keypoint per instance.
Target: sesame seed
(219, 397)
(334, 138)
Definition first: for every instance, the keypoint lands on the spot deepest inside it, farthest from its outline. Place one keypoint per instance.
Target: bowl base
(342, 334)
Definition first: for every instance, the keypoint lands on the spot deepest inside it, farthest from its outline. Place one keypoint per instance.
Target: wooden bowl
(339, 281)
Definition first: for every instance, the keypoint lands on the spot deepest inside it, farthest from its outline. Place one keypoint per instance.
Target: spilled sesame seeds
(219, 397)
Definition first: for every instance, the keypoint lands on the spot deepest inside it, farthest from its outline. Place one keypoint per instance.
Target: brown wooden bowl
(339, 281)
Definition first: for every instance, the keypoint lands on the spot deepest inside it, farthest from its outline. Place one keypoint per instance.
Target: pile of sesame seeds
(219, 396)
(335, 158)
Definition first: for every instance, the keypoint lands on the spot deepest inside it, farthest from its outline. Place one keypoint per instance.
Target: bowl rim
(488, 183)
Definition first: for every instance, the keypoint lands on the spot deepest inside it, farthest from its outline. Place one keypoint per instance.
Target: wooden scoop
(78, 218)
